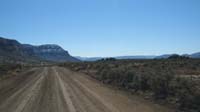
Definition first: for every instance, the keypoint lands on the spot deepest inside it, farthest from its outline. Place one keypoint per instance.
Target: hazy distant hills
(195, 55)
(11, 51)
(88, 58)
(165, 56)
(117, 57)
(136, 57)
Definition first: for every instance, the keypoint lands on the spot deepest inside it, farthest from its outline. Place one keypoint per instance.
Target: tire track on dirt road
(89, 100)
(34, 90)
(65, 92)
(18, 100)
(57, 89)
(100, 96)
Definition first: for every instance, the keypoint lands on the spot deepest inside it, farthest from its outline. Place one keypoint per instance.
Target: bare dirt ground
(56, 89)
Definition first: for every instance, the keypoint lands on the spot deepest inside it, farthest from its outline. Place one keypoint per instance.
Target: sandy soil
(56, 89)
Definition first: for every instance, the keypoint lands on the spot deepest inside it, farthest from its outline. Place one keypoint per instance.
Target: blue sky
(105, 27)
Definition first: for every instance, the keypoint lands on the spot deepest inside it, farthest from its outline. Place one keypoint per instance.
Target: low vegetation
(174, 81)
(8, 69)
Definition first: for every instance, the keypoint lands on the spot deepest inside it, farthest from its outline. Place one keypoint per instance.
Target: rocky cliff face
(10, 46)
(53, 53)
(12, 50)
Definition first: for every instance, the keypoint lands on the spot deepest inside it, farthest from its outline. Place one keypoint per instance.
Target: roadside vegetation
(7, 70)
(174, 81)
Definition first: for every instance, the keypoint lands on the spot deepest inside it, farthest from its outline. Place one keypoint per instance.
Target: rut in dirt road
(56, 89)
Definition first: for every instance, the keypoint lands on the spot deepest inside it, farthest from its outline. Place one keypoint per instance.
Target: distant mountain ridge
(50, 52)
(195, 55)
(88, 58)
(117, 57)
(13, 51)
(165, 56)
(136, 57)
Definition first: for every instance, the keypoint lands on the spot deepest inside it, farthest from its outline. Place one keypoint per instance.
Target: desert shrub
(144, 82)
(188, 94)
(128, 79)
(4, 69)
(160, 84)
(159, 77)
(113, 76)
(135, 84)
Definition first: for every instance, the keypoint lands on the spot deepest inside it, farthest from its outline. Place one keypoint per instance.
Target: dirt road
(56, 89)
